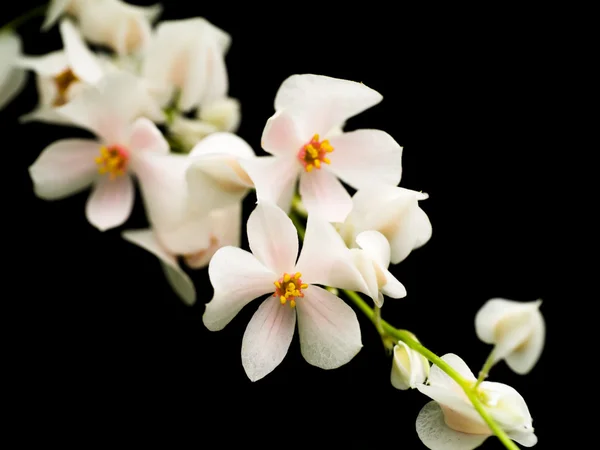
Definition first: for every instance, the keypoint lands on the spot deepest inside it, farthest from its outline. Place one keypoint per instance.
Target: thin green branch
(486, 368)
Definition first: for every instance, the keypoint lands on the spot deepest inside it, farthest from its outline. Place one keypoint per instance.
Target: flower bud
(409, 368)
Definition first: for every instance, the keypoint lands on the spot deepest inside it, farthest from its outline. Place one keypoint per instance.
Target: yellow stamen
(286, 278)
(112, 160)
(277, 284)
(282, 299)
(293, 304)
(289, 287)
(303, 286)
(297, 275)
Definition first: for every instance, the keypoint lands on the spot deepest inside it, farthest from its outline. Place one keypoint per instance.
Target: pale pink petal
(267, 338)
(328, 328)
(64, 168)
(273, 238)
(237, 278)
(145, 136)
(325, 259)
(81, 59)
(281, 136)
(376, 246)
(323, 194)
(274, 178)
(366, 157)
(178, 279)
(111, 202)
(436, 435)
(462, 412)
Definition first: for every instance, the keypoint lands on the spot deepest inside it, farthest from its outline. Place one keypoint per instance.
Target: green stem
(25, 17)
(489, 362)
(408, 339)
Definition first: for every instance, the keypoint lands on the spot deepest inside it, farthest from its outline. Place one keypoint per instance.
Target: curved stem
(25, 17)
(489, 362)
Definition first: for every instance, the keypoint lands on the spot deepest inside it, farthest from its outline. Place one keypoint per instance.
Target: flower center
(63, 81)
(313, 154)
(112, 160)
(289, 287)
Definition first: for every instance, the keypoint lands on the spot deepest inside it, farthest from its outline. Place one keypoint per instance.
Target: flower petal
(81, 59)
(376, 246)
(111, 202)
(56, 8)
(178, 279)
(329, 330)
(267, 338)
(525, 438)
(64, 168)
(366, 157)
(458, 408)
(437, 377)
(237, 278)
(273, 238)
(507, 406)
(522, 360)
(281, 136)
(323, 194)
(48, 65)
(436, 435)
(393, 288)
(274, 179)
(145, 136)
(364, 264)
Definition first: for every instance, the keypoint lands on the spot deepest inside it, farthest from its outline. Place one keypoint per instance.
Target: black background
(102, 338)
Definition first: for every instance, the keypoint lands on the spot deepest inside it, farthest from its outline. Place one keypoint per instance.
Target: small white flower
(328, 328)
(409, 368)
(395, 213)
(517, 330)
(300, 140)
(12, 77)
(451, 422)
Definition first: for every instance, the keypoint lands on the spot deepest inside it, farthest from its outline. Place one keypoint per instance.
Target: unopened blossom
(516, 329)
(304, 141)
(328, 328)
(188, 57)
(62, 75)
(123, 147)
(12, 77)
(451, 422)
(392, 211)
(409, 368)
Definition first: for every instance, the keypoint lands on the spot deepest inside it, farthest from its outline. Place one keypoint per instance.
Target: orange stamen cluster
(112, 160)
(314, 153)
(63, 81)
(289, 287)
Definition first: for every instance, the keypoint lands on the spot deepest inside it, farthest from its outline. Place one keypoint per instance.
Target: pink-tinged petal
(329, 330)
(281, 136)
(323, 194)
(460, 412)
(376, 246)
(267, 338)
(178, 279)
(325, 259)
(237, 278)
(64, 168)
(81, 59)
(364, 158)
(56, 8)
(436, 435)
(274, 178)
(273, 238)
(145, 136)
(111, 202)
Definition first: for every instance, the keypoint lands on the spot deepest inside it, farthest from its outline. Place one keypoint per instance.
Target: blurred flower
(58, 8)
(517, 330)
(298, 138)
(328, 327)
(452, 423)
(12, 78)
(409, 367)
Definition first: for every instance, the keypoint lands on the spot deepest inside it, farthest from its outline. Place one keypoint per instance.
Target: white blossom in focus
(299, 137)
(517, 330)
(451, 422)
(392, 211)
(409, 367)
(328, 328)
(12, 77)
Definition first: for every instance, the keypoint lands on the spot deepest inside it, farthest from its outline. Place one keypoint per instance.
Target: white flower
(188, 56)
(62, 75)
(395, 213)
(71, 165)
(452, 423)
(12, 78)
(58, 8)
(517, 329)
(298, 136)
(409, 368)
(328, 327)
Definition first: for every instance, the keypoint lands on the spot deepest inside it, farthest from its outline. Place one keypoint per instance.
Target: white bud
(409, 368)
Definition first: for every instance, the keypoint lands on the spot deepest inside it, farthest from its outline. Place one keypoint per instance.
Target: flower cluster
(155, 98)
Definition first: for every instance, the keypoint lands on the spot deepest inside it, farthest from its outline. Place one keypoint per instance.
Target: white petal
(525, 438)
(267, 338)
(364, 264)
(64, 168)
(144, 136)
(45, 114)
(460, 413)
(408, 367)
(237, 278)
(49, 65)
(328, 327)
(376, 246)
(273, 238)
(366, 157)
(507, 406)
(281, 136)
(323, 194)
(436, 435)
(522, 360)
(179, 280)
(81, 59)
(393, 288)
(56, 8)
(437, 377)
(326, 260)
(274, 178)
(111, 202)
